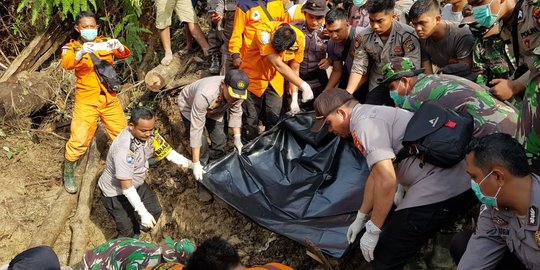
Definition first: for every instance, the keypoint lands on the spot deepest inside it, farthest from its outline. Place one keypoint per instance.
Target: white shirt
(449, 15)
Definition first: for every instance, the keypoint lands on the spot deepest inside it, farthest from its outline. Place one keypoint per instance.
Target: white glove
(238, 143)
(307, 93)
(295, 108)
(178, 159)
(400, 194)
(197, 170)
(369, 240)
(147, 220)
(357, 225)
(115, 44)
(86, 48)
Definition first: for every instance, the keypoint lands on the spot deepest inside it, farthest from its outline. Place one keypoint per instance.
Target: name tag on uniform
(533, 215)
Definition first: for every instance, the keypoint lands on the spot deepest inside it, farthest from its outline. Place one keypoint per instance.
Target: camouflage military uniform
(528, 38)
(490, 115)
(453, 92)
(490, 58)
(131, 253)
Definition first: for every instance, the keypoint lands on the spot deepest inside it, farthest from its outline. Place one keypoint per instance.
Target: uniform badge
(537, 238)
(358, 145)
(265, 37)
(130, 159)
(408, 44)
(533, 216)
(499, 221)
(65, 49)
(537, 50)
(536, 14)
(527, 43)
(358, 41)
(397, 49)
(256, 15)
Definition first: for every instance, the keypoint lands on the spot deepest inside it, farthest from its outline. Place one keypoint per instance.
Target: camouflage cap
(397, 68)
(179, 251)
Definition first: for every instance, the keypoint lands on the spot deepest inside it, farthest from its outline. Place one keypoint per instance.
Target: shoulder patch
(256, 15)
(265, 37)
(358, 41)
(408, 44)
(536, 14)
(130, 159)
(357, 143)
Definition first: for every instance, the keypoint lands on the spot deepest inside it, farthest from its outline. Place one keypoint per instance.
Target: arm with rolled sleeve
(337, 66)
(379, 155)
(486, 247)
(359, 68)
(197, 122)
(235, 115)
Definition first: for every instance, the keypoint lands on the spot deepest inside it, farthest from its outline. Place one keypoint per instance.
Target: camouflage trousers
(528, 132)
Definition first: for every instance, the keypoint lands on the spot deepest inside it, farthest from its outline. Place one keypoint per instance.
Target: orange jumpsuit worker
(92, 100)
(249, 15)
(275, 53)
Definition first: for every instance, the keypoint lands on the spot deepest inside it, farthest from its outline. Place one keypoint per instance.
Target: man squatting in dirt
(122, 182)
(92, 100)
(204, 104)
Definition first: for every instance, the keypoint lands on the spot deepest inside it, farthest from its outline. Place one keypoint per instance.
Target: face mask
(487, 200)
(396, 97)
(359, 3)
(483, 15)
(89, 34)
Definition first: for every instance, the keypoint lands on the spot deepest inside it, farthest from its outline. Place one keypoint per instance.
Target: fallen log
(161, 75)
(42, 47)
(26, 95)
(86, 196)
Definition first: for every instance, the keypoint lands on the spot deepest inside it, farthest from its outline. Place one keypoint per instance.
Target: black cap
(326, 103)
(315, 7)
(237, 83)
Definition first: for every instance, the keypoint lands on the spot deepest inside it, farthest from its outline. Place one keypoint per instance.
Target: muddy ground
(31, 177)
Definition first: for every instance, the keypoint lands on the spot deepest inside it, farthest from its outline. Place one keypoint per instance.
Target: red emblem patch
(397, 49)
(357, 143)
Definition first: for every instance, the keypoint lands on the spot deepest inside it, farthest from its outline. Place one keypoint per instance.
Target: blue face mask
(483, 16)
(89, 34)
(359, 3)
(487, 200)
(399, 100)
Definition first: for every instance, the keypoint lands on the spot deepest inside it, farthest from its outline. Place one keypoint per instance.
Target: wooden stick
(315, 253)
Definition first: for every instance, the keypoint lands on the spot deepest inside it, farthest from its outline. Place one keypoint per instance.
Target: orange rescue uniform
(297, 14)
(261, 71)
(92, 100)
(271, 266)
(249, 15)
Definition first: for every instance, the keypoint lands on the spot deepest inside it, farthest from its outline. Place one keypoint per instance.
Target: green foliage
(121, 18)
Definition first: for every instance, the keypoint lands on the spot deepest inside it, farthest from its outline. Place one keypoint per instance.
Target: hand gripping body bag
(437, 136)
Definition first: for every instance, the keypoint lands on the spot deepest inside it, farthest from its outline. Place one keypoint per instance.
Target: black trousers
(217, 131)
(459, 245)
(409, 229)
(128, 222)
(266, 108)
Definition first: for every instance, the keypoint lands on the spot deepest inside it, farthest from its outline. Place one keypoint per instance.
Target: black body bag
(437, 136)
(106, 74)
